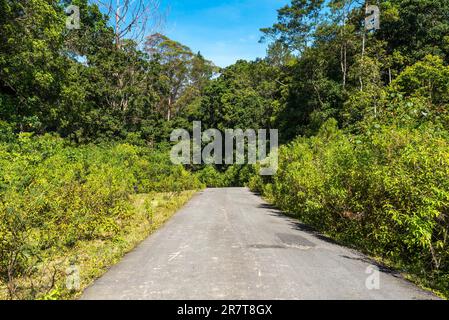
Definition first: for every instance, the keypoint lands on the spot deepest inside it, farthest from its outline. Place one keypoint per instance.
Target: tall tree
(184, 72)
(296, 24)
(32, 69)
(132, 19)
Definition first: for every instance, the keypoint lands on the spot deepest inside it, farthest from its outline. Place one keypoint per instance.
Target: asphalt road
(229, 244)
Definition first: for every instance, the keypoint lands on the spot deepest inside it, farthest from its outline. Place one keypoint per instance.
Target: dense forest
(86, 116)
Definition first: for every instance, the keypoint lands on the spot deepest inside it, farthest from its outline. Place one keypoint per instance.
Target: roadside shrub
(211, 177)
(232, 176)
(386, 192)
(54, 194)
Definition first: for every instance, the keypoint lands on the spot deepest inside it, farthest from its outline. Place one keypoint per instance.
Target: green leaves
(296, 23)
(385, 191)
(244, 96)
(428, 79)
(54, 196)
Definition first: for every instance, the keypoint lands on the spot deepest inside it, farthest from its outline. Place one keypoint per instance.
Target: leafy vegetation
(55, 196)
(370, 166)
(384, 191)
(86, 115)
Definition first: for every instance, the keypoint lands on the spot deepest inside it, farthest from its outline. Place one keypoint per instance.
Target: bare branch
(133, 19)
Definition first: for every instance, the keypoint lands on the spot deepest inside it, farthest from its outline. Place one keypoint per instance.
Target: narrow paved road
(229, 244)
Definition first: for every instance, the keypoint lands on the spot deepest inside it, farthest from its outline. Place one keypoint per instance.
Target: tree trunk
(169, 109)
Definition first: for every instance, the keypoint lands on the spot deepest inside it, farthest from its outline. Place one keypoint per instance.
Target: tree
(132, 19)
(296, 24)
(184, 73)
(428, 79)
(120, 90)
(31, 66)
(245, 95)
(279, 54)
(415, 28)
(74, 82)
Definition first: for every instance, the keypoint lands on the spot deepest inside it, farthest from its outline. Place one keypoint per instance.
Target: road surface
(229, 244)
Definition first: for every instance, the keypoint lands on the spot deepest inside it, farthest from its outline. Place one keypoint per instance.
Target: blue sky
(224, 31)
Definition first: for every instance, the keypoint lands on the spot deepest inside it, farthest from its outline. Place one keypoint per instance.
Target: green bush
(211, 177)
(386, 192)
(54, 194)
(232, 176)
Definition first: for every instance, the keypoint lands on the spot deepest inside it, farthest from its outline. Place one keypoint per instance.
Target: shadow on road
(297, 225)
